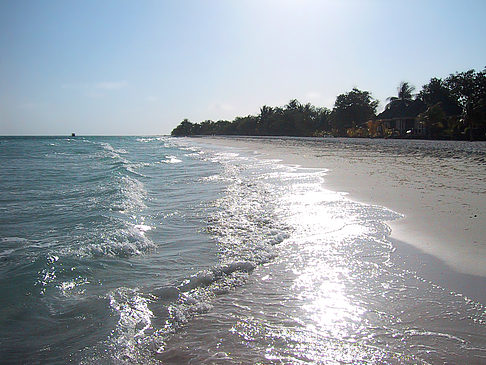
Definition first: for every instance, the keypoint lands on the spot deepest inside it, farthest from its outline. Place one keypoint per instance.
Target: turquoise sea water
(161, 250)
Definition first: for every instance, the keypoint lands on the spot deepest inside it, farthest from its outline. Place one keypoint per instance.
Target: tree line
(450, 108)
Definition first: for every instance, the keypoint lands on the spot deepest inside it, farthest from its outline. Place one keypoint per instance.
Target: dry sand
(442, 197)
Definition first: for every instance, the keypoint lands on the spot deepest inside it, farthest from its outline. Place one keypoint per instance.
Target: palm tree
(264, 120)
(293, 105)
(405, 95)
(265, 112)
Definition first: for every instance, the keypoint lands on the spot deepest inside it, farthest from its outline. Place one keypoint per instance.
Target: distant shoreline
(325, 137)
(449, 109)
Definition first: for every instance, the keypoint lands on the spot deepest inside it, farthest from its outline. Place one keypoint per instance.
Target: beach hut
(401, 117)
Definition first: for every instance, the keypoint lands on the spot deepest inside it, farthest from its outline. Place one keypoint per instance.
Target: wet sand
(441, 192)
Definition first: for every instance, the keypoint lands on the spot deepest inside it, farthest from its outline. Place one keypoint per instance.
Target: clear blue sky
(140, 67)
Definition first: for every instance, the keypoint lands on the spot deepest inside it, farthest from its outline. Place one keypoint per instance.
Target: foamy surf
(171, 159)
(221, 257)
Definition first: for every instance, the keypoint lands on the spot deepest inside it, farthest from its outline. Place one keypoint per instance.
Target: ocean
(139, 250)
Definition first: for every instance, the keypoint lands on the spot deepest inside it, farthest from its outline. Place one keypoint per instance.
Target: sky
(140, 67)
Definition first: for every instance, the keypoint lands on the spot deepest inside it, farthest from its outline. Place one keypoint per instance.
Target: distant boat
(73, 134)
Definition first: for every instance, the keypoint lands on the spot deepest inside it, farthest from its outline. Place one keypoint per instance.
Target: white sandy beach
(442, 198)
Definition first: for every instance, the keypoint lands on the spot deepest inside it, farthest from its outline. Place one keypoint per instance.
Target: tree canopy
(437, 92)
(293, 119)
(455, 108)
(352, 109)
(404, 96)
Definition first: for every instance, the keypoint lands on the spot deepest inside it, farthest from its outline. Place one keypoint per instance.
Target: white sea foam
(216, 177)
(325, 278)
(109, 147)
(133, 195)
(124, 243)
(143, 228)
(244, 228)
(135, 318)
(255, 260)
(171, 159)
(146, 139)
(74, 287)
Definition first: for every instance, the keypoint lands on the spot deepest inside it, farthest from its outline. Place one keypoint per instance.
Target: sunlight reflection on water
(332, 293)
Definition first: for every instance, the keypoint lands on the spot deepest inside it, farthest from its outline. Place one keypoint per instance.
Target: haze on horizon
(135, 68)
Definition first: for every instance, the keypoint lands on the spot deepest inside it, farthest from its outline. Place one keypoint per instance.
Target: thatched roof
(402, 109)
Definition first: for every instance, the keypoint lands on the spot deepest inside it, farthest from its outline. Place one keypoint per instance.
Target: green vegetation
(453, 108)
(351, 111)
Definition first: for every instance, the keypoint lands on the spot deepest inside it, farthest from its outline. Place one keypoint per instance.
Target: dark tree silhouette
(469, 88)
(456, 108)
(352, 109)
(437, 91)
(186, 128)
(405, 95)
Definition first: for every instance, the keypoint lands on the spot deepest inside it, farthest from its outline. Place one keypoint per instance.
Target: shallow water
(152, 249)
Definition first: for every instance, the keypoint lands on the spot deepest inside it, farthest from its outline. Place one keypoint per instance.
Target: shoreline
(436, 271)
(440, 237)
